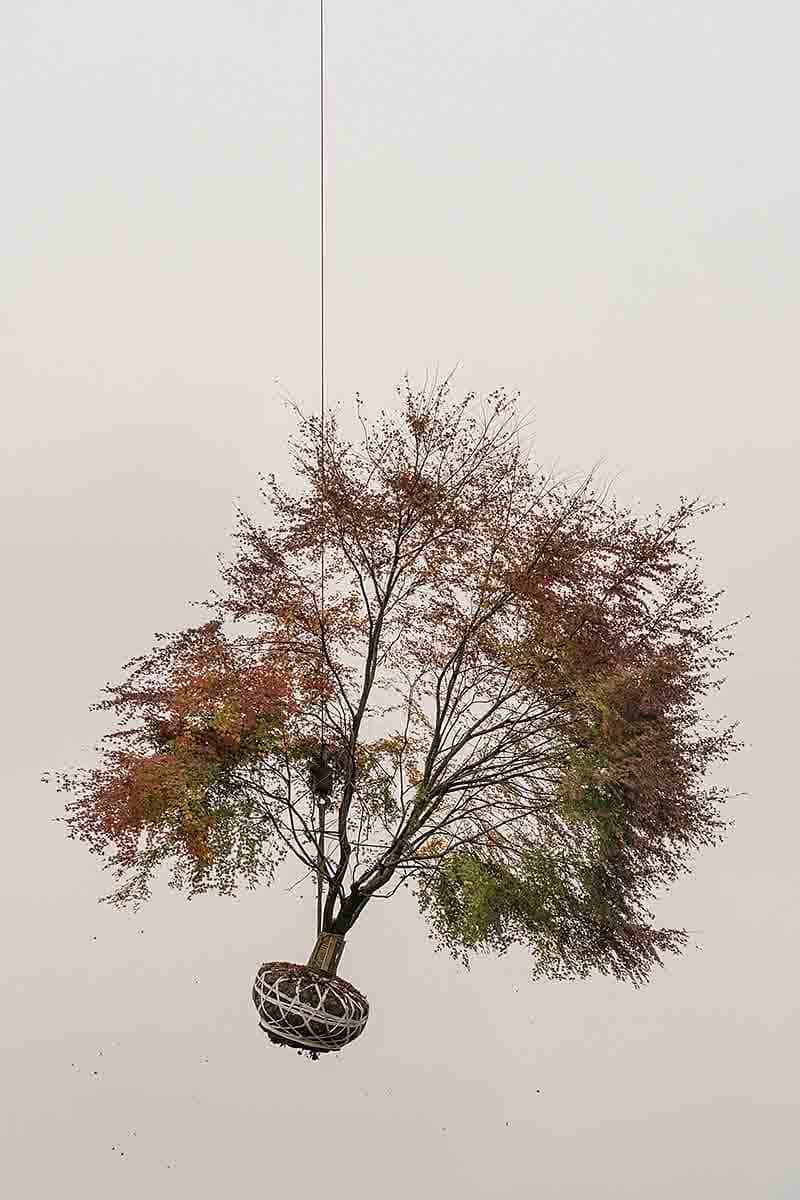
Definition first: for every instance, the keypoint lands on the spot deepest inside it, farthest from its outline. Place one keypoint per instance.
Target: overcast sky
(594, 203)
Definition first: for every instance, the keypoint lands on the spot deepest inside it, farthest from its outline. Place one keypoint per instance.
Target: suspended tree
(543, 656)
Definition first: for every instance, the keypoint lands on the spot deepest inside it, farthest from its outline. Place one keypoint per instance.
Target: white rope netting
(305, 1008)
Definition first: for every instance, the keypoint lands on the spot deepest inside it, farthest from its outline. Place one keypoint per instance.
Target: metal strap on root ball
(308, 1006)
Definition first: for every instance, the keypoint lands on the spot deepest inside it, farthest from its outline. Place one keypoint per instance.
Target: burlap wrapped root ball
(303, 1008)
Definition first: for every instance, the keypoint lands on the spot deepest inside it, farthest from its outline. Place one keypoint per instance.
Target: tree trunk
(326, 954)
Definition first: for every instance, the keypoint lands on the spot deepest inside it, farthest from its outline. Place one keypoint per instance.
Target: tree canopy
(543, 654)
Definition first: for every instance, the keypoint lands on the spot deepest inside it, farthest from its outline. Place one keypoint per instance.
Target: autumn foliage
(545, 655)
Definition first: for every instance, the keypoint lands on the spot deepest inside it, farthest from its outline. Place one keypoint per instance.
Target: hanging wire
(321, 844)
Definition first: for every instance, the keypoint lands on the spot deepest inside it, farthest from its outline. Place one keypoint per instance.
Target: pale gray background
(594, 203)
